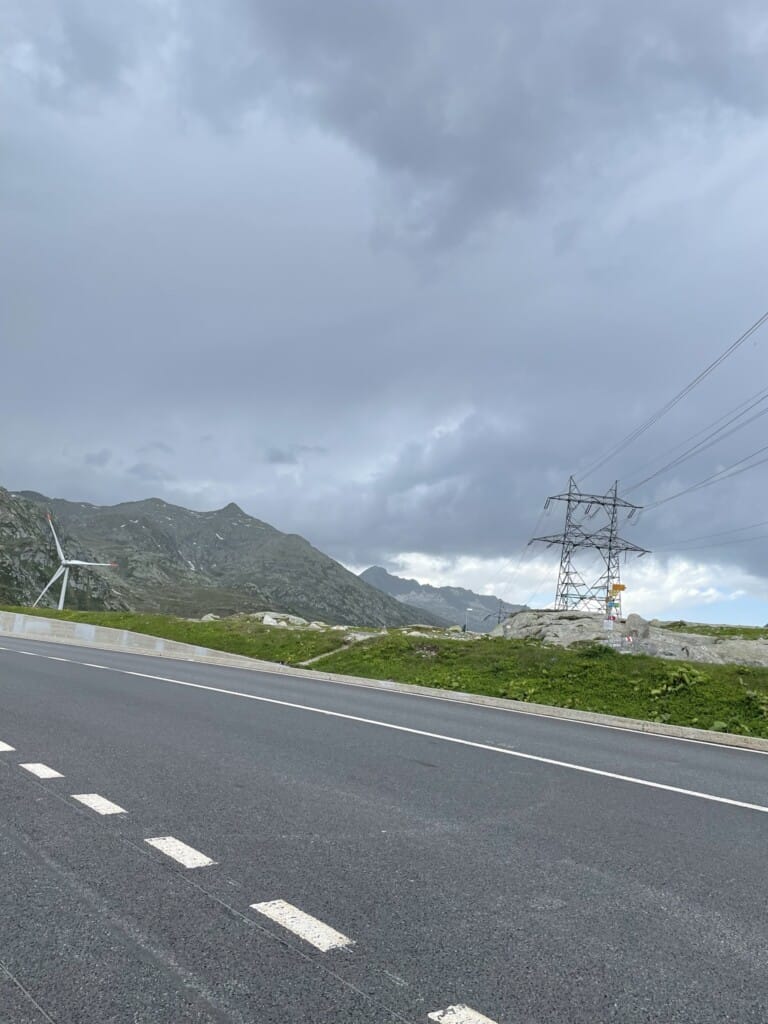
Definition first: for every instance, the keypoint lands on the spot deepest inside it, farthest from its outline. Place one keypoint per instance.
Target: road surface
(186, 843)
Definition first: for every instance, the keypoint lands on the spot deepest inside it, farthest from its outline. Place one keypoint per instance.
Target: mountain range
(180, 562)
(480, 612)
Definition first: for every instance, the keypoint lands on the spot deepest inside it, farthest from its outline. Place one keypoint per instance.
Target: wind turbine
(65, 564)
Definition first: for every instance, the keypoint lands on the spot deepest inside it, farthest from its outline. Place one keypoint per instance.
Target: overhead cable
(715, 478)
(744, 406)
(655, 417)
(716, 544)
(711, 439)
(723, 533)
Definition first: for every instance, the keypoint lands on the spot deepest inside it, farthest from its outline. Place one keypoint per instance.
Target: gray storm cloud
(382, 273)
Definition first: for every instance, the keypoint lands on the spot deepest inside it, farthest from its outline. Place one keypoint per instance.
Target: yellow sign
(617, 587)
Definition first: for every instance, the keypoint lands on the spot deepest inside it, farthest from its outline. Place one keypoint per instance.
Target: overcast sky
(386, 272)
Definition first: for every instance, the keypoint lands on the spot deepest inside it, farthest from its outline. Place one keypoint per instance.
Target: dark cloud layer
(469, 114)
(382, 273)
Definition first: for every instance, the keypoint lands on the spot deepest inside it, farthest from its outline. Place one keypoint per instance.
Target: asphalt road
(458, 863)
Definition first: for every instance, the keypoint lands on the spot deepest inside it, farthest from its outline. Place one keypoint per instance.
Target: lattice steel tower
(573, 591)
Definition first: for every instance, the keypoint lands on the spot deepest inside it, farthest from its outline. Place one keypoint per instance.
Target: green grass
(729, 698)
(703, 629)
(235, 635)
(590, 677)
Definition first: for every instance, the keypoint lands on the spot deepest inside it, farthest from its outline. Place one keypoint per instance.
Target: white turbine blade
(63, 588)
(56, 539)
(102, 565)
(49, 584)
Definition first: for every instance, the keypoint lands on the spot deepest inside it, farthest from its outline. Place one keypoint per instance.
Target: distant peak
(233, 509)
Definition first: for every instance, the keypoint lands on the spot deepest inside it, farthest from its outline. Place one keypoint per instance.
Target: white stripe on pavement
(42, 771)
(306, 927)
(184, 854)
(5, 747)
(98, 803)
(537, 758)
(489, 748)
(459, 1014)
(355, 682)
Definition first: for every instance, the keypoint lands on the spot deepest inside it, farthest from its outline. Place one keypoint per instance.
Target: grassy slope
(703, 629)
(593, 678)
(235, 635)
(730, 698)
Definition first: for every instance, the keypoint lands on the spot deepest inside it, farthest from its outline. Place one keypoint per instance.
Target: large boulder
(562, 628)
(637, 627)
(635, 636)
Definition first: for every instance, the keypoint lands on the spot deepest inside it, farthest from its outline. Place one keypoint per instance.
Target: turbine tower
(65, 564)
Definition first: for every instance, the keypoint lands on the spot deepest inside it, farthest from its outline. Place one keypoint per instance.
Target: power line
(655, 417)
(721, 533)
(717, 544)
(525, 551)
(715, 478)
(744, 406)
(711, 439)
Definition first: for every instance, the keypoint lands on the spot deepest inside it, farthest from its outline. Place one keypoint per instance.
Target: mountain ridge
(458, 605)
(183, 562)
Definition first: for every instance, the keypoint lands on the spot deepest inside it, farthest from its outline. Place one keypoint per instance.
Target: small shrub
(519, 690)
(677, 679)
(592, 649)
(756, 703)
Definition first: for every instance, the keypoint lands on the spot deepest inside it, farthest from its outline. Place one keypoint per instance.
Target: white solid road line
(98, 803)
(536, 758)
(355, 683)
(179, 851)
(42, 771)
(5, 747)
(459, 1014)
(306, 927)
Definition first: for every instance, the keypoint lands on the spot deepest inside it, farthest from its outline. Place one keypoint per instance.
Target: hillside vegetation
(704, 629)
(589, 677)
(234, 635)
(592, 677)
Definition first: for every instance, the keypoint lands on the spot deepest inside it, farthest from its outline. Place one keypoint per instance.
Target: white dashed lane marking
(98, 803)
(5, 747)
(306, 927)
(42, 771)
(459, 1014)
(179, 851)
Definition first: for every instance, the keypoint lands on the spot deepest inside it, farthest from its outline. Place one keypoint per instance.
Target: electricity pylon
(573, 591)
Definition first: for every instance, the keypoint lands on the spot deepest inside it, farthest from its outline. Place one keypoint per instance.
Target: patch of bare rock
(633, 635)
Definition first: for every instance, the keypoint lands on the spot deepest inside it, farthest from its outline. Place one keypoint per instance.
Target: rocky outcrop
(178, 561)
(28, 559)
(637, 627)
(634, 636)
(561, 628)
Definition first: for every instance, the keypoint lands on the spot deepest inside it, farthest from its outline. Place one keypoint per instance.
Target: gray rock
(637, 627)
(561, 628)
(635, 636)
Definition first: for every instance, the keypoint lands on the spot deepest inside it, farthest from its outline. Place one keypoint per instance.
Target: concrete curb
(157, 647)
